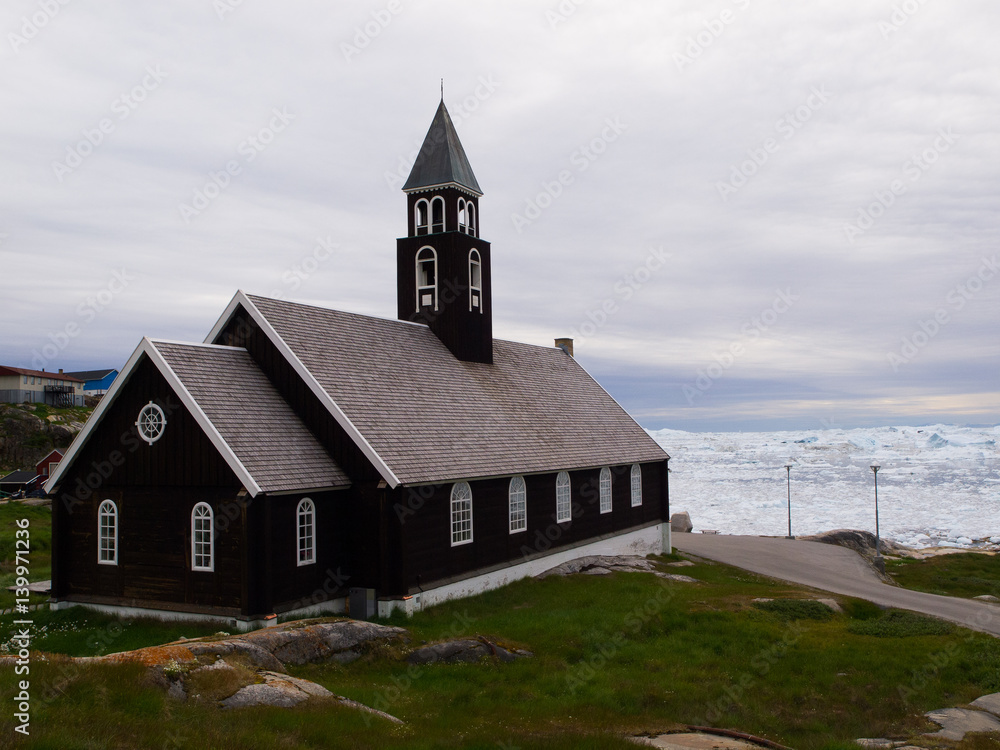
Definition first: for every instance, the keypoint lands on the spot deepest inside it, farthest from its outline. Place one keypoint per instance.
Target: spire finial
(442, 89)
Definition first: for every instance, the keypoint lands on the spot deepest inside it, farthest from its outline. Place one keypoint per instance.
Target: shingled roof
(254, 429)
(429, 417)
(442, 159)
(269, 440)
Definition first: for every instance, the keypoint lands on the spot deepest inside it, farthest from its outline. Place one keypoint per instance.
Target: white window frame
(475, 289)
(151, 423)
(517, 505)
(470, 209)
(198, 528)
(636, 485)
(437, 226)
(421, 209)
(463, 216)
(605, 488)
(108, 510)
(461, 514)
(564, 498)
(424, 288)
(305, 547)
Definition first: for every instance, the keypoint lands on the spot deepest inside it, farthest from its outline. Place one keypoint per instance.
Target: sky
(749, 215)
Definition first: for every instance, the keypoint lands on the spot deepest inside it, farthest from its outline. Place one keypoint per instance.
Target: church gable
(189, 414)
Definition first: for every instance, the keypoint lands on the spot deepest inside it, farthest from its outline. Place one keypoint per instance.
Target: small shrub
(796, 609)
(860, 609)
(899, 624)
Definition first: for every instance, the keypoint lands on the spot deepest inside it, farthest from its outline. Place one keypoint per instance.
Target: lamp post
(788, 473)
(878, 544)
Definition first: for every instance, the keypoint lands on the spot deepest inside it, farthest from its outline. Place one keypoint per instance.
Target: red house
(47, 466)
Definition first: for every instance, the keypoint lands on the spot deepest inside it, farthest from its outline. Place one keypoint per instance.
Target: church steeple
(443, 267)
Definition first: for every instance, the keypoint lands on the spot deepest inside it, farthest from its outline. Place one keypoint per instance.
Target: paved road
(828, 567)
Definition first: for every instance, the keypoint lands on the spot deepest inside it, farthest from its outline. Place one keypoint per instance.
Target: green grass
(614, 655)
(39, 521)
(964, 574)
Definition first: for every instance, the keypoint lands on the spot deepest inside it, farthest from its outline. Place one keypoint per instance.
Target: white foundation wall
(652, 540)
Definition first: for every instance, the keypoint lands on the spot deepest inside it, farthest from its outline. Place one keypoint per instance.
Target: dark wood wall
(424, 515)
(155, 488)
(290, 585)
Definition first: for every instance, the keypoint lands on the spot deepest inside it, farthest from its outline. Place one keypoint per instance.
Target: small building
(47, 466)
(19, 481)
(21, 386)
(95, 382)
(301, 457)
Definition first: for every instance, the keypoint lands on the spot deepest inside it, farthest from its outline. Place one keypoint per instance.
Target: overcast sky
(749, 214)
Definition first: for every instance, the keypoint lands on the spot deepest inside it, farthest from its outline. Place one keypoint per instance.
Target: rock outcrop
(605, 565)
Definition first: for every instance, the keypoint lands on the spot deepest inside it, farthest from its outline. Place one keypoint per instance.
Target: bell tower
(443, 267)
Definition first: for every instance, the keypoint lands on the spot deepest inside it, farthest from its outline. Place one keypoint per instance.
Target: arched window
(427, 279)
(605, 490)
(201, 538)
(471, 218)
(463, 216)
(564, 507)
(517, 495)
(107, 533)
(475, 281)
(305, 514)
(636, 485)
(437, 214)
(461, 514)
(421, 216)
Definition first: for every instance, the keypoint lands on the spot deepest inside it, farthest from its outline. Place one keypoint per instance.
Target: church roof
(254, 429)
(422, 415)
(442, 159)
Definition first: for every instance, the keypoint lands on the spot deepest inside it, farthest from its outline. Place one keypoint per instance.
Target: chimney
(566, 345)
(60, 371)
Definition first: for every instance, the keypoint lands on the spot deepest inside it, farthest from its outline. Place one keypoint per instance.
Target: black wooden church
(302, 458)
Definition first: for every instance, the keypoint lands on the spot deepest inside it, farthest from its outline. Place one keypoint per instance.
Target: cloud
(810, 114)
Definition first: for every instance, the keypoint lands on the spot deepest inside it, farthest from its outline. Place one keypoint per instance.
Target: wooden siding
(155, 488)
(423, 515)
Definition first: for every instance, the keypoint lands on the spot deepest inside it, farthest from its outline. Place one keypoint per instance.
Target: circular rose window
(151, 423)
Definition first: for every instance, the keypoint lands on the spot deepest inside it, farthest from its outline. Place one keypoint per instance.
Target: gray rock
(678, 578)
(987, 598)
(276, 690)
(681, 564)
(177, 691)
(989, 703)
(596, 571)
(622, 563)
(832, 604)
(681, 523)
(957, 722)
(465, 650)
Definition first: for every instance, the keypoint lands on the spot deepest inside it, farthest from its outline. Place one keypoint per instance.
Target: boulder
(957, 722)
(989, 703)
(467, 650)
(681, 523)
(276, 690)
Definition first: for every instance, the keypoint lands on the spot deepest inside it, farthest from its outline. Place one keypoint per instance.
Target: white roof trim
(441, 185)
(203, 421)
(308, 378)
(95, 418)
(148, 347)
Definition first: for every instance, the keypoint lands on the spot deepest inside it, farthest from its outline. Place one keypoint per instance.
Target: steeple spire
(443, 263)
(442, 160)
